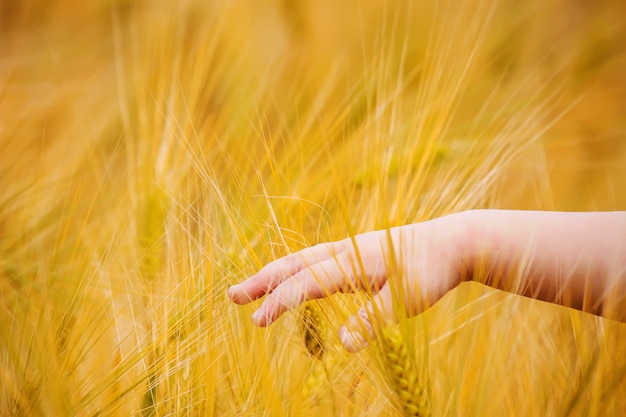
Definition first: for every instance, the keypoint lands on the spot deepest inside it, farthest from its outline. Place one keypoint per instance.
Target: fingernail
(352, 341)
(232, 290)
(257, 317)
(343, 336)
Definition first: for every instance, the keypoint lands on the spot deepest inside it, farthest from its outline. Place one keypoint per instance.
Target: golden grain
(153, 153)
(402, 374)
(312, 330)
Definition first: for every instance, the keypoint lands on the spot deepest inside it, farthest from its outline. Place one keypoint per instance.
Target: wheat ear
(312, 331)
(402, 374)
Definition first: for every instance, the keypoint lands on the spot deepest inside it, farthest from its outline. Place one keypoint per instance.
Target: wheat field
(153, 153)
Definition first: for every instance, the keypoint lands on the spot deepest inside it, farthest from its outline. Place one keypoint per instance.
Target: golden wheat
(312, 330)
(154, 153)
(402, 374)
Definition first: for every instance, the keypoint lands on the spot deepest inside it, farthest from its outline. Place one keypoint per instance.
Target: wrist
(469, 226)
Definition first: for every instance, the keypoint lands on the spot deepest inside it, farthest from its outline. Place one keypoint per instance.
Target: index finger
(274, 273)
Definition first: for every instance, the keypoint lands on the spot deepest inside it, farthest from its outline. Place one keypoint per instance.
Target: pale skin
(570, 258)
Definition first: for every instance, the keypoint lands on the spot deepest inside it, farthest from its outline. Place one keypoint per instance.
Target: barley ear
(402, 374)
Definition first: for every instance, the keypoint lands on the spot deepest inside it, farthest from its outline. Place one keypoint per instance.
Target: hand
(416, 264)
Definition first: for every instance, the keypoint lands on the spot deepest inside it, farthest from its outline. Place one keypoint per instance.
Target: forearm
(574, 259)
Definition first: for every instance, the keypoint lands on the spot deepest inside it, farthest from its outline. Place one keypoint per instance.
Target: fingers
(317, 281)
(274, 273)
(359, 330)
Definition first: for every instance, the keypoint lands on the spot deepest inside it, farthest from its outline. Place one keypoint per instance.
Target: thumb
(359, 330)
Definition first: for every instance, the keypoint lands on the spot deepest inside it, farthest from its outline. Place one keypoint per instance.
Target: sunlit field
(153, 153)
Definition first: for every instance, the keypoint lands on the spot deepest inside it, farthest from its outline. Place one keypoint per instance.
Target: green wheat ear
(402, 374)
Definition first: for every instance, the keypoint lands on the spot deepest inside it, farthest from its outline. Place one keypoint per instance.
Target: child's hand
(429, 257)
(574, 259)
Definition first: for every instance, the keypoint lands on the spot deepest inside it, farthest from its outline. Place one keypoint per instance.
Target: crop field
(154, 153)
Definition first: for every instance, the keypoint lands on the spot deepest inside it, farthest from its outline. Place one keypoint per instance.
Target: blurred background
(58, 57)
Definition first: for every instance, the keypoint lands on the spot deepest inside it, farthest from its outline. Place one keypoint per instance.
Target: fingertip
(353, 341)
(237, 295)
(232, 292)
(245, 292)
(262, 317)
(258, 318)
